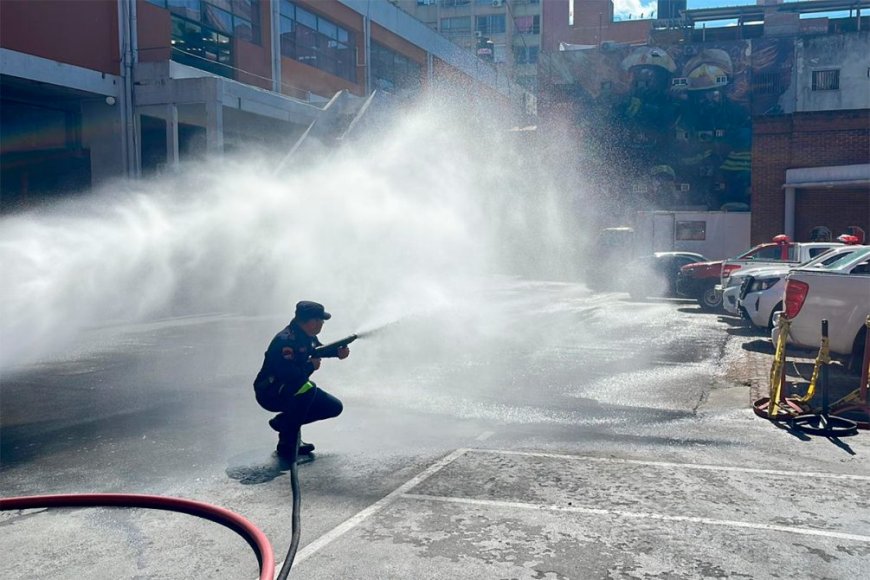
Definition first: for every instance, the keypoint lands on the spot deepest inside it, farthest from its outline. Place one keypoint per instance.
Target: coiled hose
(255, 538)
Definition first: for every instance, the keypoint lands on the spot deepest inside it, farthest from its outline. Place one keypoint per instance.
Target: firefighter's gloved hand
(315, 362)
(343, 352)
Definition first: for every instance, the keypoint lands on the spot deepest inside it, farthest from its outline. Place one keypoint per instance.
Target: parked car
(841, 295)
(656, 275)
(761, 292)
(781, 250)
(700, 281)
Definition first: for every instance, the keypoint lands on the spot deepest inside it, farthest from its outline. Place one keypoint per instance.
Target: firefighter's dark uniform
(283, 385)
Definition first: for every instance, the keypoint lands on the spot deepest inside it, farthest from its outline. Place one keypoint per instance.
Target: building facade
(506, 33)
(134, 86)
(761, 115)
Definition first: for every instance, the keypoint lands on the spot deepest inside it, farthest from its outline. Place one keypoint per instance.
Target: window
(525, 54)
(236, 18)
(771, 253)
(679, 82)
(191, 9)
(690, 231)
(767, 83)
(527, 24)
(493, 24)
(456, 24)
(392, 71)
(826, 80)
(317, 41)
(201, 47)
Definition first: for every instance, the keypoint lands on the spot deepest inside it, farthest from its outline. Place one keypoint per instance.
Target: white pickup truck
(780, 252)
(841, 295)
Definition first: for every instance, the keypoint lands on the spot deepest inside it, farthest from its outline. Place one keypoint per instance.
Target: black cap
(306, 310)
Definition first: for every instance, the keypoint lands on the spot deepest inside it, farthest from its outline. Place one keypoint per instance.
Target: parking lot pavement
(617, 446)
(507, 514)
(748, 357)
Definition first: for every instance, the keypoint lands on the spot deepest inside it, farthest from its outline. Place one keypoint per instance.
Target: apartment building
(506, 33)
(96, 89)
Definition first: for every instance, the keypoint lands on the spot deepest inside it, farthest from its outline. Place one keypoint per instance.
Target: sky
(623, 8)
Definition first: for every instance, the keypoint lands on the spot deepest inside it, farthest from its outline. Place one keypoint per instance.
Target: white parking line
(639, 515)
(360, 517)
(704, 466)
(485, 435)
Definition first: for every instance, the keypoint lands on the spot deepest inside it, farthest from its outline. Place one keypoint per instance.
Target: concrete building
(811, 164)
(505, 32)
(95, 89)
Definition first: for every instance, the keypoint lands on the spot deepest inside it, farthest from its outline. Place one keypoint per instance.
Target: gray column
(214, 126)
(103, 135)
(789, 211)
(171, 116)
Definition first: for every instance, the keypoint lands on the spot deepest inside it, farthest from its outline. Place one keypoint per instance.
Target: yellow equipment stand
(782, 407)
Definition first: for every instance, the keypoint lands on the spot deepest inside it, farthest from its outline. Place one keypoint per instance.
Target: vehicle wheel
(710, 299)
(777, 308)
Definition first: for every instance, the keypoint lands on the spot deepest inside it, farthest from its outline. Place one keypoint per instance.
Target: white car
(840, 295)
(731, 294)
(761, 290)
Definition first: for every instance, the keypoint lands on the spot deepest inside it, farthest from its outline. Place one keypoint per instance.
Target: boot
(286, 442)
(280, 423)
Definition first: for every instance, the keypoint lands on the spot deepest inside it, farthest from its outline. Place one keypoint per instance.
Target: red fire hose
(255, 538)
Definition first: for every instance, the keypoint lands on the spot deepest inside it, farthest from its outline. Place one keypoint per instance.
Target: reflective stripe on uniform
(305, 388)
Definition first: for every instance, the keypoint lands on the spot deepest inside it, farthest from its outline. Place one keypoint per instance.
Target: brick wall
(832, 208)
(806, 140)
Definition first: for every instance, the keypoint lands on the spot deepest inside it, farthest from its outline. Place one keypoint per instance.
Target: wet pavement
(533, 431)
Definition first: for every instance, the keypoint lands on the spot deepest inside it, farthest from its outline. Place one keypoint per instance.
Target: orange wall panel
(254, 64)
(256, 59)
(77, 32)
(298, 78)
(385, 37)
(154, 28)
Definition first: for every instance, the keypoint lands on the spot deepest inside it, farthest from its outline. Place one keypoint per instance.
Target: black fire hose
(295, 527)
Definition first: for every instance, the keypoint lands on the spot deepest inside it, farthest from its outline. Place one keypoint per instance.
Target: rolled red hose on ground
(255, 538)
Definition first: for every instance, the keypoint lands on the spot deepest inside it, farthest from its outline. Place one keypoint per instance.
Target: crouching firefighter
(284, 385)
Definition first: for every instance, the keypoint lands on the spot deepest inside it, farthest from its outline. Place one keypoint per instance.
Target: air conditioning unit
(497, 3)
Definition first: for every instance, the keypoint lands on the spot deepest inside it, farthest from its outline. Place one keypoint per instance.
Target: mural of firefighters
(673, 124)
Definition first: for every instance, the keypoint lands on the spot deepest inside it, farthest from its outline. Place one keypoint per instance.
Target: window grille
(826, 80)
(767, 83)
